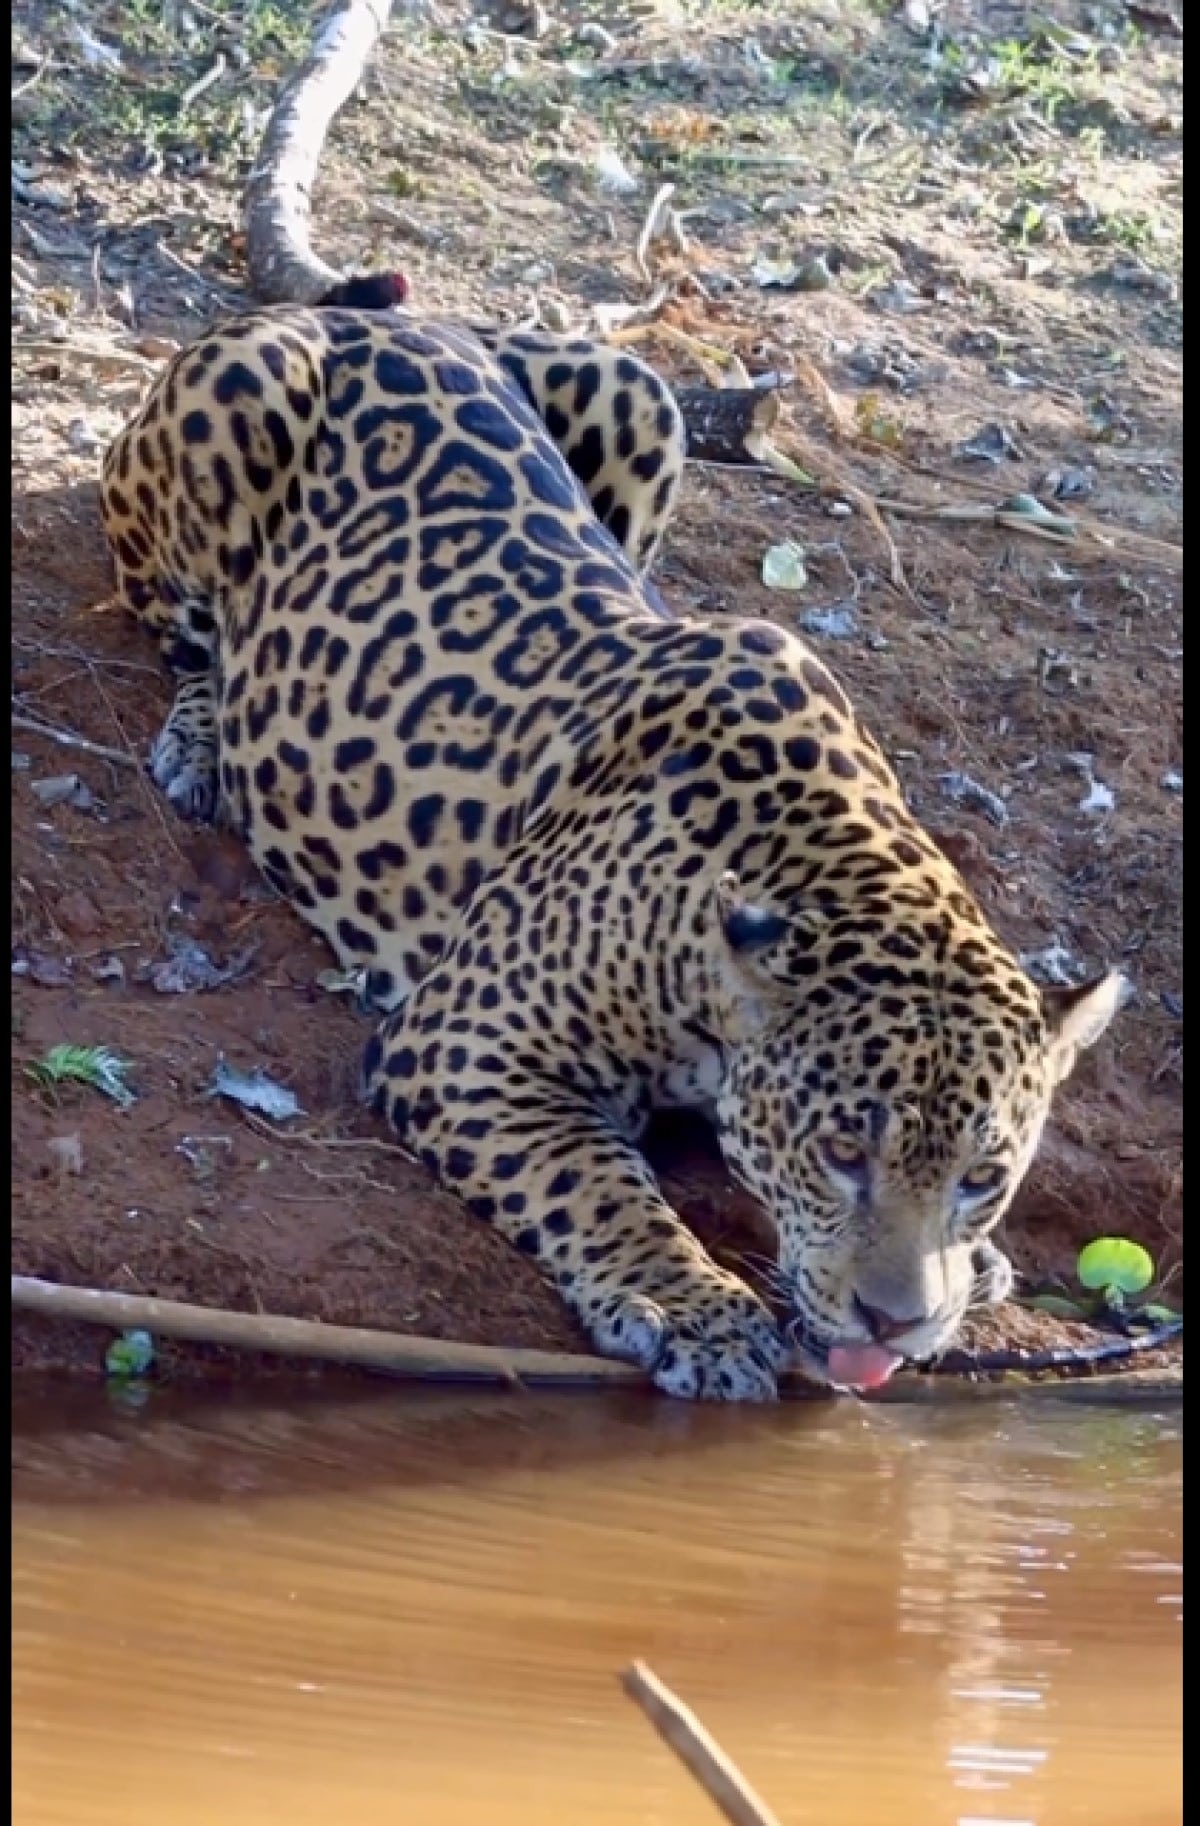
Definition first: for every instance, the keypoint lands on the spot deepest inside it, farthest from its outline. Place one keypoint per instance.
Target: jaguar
(589, 856)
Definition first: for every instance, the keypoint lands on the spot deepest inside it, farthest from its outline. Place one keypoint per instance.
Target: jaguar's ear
(1077, 1016)
(749, 929)
(749, 945)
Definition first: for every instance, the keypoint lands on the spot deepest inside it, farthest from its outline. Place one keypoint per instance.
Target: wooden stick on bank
(435, 1360)
(429, 1359)
(696, 1749)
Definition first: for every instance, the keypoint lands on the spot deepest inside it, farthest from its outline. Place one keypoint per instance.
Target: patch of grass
(1042, 75)
(262, 29)
(136, 109)
(99, 1067)
(1133, 229)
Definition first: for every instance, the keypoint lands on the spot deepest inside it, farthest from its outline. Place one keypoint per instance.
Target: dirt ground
(984, 216)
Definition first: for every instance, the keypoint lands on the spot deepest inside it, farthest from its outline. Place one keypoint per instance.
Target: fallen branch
(817, 468)
(698, 1751)
(431, 1359)
(83, 351)
(420, 1358)
(66, 738)
(282, 265)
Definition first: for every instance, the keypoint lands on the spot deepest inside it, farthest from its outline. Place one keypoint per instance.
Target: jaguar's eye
(845, 1152)
(978, 1181)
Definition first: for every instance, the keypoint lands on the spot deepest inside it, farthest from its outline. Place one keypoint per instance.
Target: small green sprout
(129, 1355)
(98, 1066)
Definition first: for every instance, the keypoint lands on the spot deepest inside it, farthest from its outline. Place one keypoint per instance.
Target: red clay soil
(182, 1195)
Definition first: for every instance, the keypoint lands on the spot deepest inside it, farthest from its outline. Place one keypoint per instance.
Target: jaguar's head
(887, 1083)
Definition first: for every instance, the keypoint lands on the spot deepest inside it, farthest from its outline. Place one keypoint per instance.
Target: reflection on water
(410, 1610)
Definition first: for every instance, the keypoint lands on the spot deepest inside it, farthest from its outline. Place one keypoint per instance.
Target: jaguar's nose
(882, 1325)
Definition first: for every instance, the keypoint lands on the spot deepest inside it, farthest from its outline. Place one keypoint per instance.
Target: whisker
(768, 1274)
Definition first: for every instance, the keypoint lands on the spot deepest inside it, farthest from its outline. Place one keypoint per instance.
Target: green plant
(1114, 1268)
(876, 424)
(132, 1354)
(1132, 229)
(1113, 1271)
(98, 1066)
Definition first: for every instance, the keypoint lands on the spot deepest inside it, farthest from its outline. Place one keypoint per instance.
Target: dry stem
(698, 1751)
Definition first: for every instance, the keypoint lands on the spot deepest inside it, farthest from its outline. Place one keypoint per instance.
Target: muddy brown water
(411, 1610)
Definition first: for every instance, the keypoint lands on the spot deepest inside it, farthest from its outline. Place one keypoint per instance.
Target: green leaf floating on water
(130, 1355)
(1113, 1265)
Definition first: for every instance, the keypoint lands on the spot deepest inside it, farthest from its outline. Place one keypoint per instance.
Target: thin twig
(1090, 531)
(366, 1143)
(153, 797)
(173, 259)
(82, 351)
(705, 155)
(978, 516)
(89, 660)
(67, 738)
(741, 469)
(696, 1748)
(30, 82)
(196, 89)
(769, 458)
(651, 228)
(727, 367)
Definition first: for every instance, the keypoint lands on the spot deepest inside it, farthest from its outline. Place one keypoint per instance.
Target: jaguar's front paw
(713, 1342)
(994, 1274)
(184, 765)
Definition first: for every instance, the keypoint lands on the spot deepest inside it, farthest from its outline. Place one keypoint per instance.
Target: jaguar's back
(405, 588)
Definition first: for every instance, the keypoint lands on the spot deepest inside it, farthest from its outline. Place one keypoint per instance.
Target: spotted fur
(594, 858)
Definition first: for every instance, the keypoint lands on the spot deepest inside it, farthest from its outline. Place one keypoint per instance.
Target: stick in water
(700, 1754)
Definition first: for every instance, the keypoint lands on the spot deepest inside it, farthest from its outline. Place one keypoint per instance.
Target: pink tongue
(861, 1366)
